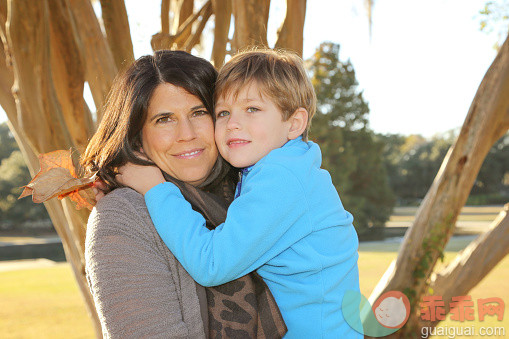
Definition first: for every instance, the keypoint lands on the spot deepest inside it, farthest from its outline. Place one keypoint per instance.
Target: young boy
(287, 221)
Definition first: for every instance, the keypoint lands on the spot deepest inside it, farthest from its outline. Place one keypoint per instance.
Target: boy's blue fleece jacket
(288, 224)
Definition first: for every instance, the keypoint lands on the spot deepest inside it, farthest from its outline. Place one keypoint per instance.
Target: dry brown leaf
(57, 178)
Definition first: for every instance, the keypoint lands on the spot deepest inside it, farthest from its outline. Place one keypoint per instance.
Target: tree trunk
(290, 34)
(486, 122)
(68, 74)
(165, 16)
(183, 10)
(100, 68)
(223, 13)
(27, 38)
(194, 39)
(473, 263)
(251, 19)
(118, 33)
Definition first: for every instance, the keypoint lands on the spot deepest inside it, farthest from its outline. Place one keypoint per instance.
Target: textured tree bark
(473, 263)
(118, 33)
(178, 40)
(251, 18)
(194, 39)
(165, 16)
(486, 122)
(290, 34)
(38, 111)
(100, 68)
(68, 74)
(183, 10)
(223, 12)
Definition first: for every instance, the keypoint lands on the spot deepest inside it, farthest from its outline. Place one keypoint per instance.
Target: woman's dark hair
(118, 136)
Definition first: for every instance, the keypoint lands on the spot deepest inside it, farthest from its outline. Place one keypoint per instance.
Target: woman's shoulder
(120, 197)
(121, 211)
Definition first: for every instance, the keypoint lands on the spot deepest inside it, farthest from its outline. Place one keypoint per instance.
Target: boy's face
(249, 127)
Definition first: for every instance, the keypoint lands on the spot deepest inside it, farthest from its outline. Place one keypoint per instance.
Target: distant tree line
(13, 175)
(372, 172)
(412, 163)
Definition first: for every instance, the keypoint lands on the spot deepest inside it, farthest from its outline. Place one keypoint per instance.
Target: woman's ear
(298, 123)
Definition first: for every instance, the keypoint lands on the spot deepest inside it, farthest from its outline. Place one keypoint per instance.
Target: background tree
(14, 174)
(349, 150)
(412, 162)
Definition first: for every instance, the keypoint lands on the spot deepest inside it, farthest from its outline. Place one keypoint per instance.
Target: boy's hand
(99, 188)
(140, 178)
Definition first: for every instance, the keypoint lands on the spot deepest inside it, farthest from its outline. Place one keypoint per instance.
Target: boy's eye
(252, 109)
(223, 114)
(200, 113)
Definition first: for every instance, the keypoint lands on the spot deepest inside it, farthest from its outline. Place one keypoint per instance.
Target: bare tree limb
(165, 16)
(68, 74)
(223, 12)
(118, 34)
(290, 34)
(473, 263)
(194, 39)
(100, 68)
(167, 41)
(251, 18)
(182, 13)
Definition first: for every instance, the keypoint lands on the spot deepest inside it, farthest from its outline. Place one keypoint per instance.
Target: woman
(162, 105)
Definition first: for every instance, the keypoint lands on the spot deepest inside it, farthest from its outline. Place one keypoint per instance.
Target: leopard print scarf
(243, 308)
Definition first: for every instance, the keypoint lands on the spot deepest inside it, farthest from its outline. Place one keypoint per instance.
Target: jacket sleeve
(257, 226)
(132, 283)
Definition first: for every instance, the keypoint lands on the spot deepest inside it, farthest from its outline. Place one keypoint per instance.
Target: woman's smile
(195, 153)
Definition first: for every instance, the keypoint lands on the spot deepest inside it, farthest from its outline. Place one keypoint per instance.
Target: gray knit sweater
(139, 288)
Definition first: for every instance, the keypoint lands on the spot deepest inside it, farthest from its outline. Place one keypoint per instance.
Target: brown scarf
(243, 308)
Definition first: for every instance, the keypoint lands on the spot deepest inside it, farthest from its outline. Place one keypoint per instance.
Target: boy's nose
(233, 122)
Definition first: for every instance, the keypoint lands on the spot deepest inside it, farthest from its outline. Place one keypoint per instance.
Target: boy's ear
(298, 123)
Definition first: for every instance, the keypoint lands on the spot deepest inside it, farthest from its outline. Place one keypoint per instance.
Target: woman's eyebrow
(197, 107)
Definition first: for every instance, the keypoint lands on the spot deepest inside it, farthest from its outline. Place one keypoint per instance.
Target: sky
(419, 70)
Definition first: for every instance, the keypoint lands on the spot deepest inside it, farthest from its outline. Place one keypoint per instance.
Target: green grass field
(42, 303)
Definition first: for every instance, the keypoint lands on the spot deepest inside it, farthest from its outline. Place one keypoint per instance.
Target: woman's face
(178, 134)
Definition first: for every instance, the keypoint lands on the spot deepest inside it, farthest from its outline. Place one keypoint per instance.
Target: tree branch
(100, 67)
(290, 34)
(165, 16)
(473, 263)
(118, 34)
(195, 38)
(251, 18)
(223, 12)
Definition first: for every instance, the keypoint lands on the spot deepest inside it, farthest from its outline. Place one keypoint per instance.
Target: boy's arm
(257, 227)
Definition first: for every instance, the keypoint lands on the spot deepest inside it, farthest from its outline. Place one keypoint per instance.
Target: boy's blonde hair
(280, 74)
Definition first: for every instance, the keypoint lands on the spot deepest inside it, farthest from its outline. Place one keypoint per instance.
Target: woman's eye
(200, 113)
(223, 114)
(164, 119)
(252, 109)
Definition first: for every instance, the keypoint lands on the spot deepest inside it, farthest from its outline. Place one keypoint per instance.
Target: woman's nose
(185, 131)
